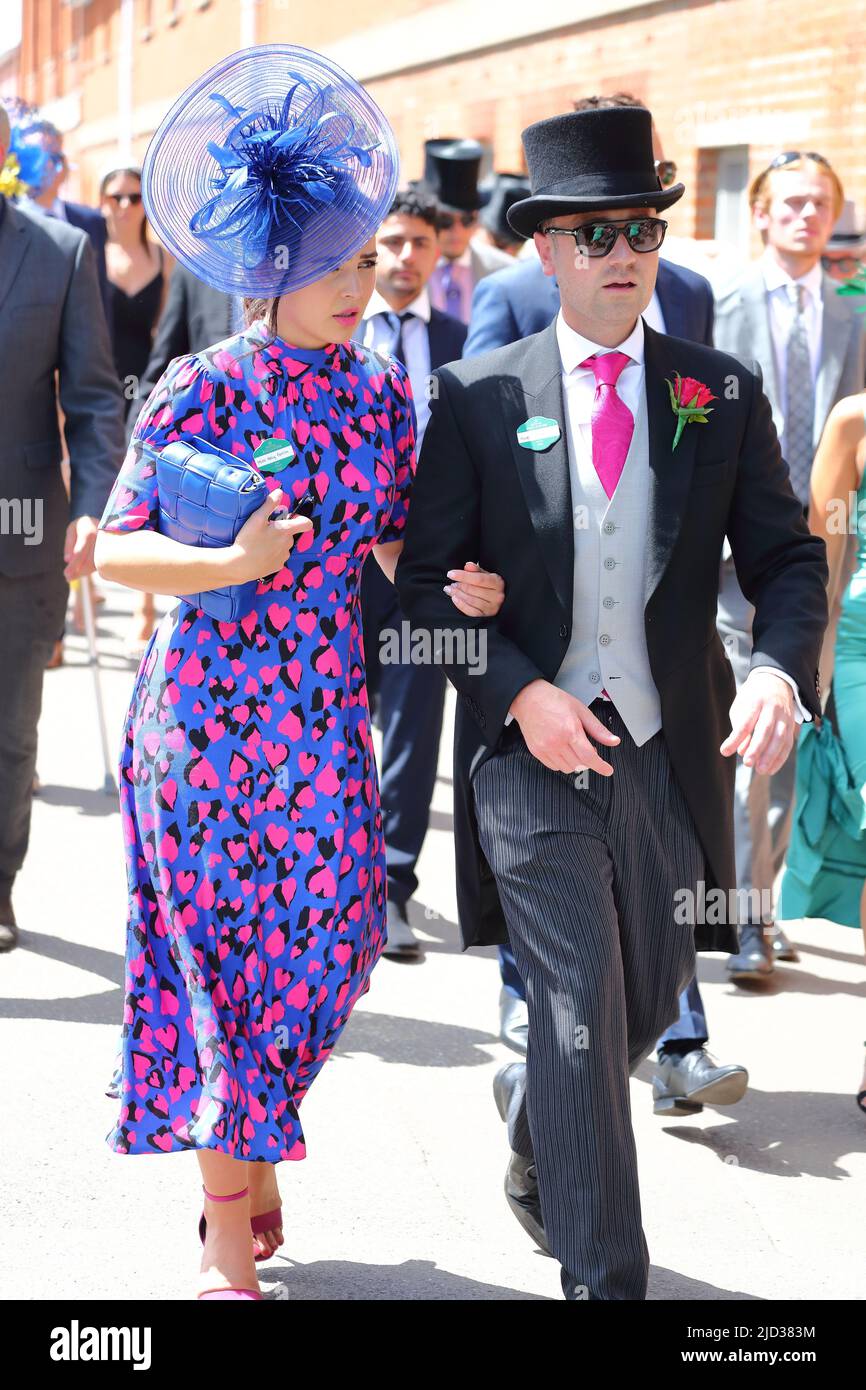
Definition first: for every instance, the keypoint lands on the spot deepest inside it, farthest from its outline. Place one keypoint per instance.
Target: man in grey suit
(55, 352)
(810, 345)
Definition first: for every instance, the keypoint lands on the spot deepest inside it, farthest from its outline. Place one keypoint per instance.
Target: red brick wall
(773, 74)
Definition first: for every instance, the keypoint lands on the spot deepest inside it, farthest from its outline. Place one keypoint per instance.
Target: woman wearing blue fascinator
(261, 475)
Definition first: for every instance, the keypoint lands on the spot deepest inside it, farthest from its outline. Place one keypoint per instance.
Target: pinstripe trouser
(586, 877)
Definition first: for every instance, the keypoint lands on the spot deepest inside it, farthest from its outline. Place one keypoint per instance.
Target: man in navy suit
(506, 307)
(409, 698)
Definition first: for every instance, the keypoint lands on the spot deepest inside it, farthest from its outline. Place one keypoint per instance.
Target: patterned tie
(612, 421)
(452, 290)
(399, 348)
(800, 399)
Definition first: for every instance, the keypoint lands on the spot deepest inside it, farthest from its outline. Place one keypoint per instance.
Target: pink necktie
(612, 421)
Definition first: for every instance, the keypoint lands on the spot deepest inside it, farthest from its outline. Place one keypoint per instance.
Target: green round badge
(273, 455)
(538, 433)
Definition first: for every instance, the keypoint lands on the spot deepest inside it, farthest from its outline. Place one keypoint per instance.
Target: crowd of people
(471, 388)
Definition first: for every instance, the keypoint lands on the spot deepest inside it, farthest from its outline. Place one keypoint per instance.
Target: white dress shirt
(578, 390)
(57, 209)
(379, 330)
(782, 311)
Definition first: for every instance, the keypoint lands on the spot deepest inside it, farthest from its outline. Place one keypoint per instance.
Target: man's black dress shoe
(513, 1021)
(402, 943)
(521, 1182)
(521, 1194)
(8, 926)
(754, 960)
(682, 1085)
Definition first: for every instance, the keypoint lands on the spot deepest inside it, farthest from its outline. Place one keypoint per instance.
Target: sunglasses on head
(790, 155)
(117, 198)
(598, 238)
(447, 219)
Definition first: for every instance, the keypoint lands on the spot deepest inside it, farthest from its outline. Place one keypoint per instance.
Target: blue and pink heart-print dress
(248, 789)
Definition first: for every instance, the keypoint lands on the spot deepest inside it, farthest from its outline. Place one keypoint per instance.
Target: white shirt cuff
(800, 711)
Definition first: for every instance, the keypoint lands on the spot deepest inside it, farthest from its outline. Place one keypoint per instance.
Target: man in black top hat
(598, 466)
(502, 192)
(451, 174)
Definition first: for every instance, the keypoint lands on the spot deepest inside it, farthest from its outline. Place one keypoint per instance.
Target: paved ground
(400, 1197)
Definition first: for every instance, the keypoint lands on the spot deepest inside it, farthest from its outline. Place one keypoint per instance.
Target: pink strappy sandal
(265, 1221)
(229, 1293)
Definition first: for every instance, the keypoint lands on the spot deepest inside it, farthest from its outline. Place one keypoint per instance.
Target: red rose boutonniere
(690, 402)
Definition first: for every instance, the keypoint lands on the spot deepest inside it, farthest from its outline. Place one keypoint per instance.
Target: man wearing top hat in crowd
(511, 305)
(502, 191)
(594, 754)
(451, 174)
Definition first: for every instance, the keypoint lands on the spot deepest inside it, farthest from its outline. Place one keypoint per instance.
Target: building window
(723, 204)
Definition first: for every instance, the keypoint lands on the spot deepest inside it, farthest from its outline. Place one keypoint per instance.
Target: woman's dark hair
(134, 173)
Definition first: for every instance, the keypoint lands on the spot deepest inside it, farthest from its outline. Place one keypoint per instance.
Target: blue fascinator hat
(271, 170)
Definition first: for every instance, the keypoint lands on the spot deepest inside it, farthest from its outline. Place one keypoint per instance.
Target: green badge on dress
(273, 455)
(538, 433)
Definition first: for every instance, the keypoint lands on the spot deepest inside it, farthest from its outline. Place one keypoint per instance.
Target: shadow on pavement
(104, 1006)
(414, 1041)
(785, 979)
(91, 801)
(412, 1280)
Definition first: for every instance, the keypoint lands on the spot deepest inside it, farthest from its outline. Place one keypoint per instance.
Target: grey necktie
(800, 402)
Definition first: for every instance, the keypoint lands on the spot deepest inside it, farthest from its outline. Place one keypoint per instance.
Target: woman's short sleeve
(403, 431)
(175, 409)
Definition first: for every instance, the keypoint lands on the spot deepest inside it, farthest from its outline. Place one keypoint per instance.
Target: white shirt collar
(420, 306)
(574, 348)
(775, 276)
(57, 208)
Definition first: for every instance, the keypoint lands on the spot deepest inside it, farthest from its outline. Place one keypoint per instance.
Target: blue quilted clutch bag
(205, 496)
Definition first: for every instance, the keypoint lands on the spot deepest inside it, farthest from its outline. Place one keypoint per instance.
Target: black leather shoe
(682, 1085)
(8, 926)
(754, 960)
(780, 947)
(402, 943)
(513, 1021)
(521, 1194)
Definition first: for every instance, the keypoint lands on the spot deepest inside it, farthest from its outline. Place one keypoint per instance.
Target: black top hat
(505, 191)
(451, 173)
(598, 158)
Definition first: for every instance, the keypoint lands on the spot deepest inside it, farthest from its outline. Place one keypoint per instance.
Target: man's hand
(78, 549)
(557, 729)
(762, 722)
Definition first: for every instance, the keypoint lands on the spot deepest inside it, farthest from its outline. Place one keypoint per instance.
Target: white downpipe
(125, 55)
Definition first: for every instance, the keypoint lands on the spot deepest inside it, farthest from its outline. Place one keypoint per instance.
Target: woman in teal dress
(825, 874)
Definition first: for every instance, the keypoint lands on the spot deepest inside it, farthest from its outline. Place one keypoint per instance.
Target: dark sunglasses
(447, 219)
(117, 198)
(846, 265)
(666, 170)
(598, 238)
